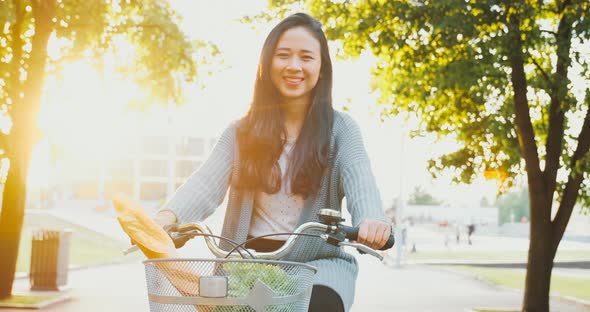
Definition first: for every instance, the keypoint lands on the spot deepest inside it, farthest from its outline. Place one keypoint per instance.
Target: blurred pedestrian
(470, 230)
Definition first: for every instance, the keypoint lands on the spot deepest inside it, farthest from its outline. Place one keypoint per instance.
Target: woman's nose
(294, 64)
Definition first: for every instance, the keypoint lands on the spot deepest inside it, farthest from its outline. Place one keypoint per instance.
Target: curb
(494, 309)
(439, 266)
(23, 275)
(575, 300)
(577, 264)
(557, 296)
(37, 306)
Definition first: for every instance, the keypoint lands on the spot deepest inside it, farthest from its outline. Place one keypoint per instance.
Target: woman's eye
(283, 55)
(307, 58)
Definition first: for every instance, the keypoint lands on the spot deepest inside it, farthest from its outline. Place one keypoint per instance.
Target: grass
(488, 310)
(562, 285)
(86, 246)
(27, 299)
(509, 255)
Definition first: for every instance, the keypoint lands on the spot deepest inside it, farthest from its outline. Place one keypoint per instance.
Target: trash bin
(50, 253)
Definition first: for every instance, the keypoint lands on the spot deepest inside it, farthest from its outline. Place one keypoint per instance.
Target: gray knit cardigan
(349, 176)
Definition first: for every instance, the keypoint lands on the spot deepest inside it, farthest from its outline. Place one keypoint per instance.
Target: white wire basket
(228, 285)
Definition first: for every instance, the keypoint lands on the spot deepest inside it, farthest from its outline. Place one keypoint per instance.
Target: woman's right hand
(165, 217)
(168, 221)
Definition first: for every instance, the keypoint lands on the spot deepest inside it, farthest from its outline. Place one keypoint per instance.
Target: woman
(290, 156)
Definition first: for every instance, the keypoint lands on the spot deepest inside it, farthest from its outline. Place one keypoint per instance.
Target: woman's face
(296, 64)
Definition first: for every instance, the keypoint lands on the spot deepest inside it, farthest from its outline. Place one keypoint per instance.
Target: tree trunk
(20, 143)
(541, 251)
(11, 220)
(540, 259)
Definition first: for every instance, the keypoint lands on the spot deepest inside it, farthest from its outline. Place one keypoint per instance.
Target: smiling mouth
(292, 80)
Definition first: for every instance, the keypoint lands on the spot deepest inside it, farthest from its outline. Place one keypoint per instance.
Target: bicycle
(232, 282)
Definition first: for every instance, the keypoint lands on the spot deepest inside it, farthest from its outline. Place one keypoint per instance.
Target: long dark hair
(261, 133)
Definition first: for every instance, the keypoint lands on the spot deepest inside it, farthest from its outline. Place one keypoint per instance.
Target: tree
(513, 206)
(497, 77)
(88, 29)
(420, 197)
(485, 202)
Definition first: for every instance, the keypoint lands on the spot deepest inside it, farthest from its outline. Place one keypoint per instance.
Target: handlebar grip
(390, 242)
(351, 233)
(171, 228)
(179, 240)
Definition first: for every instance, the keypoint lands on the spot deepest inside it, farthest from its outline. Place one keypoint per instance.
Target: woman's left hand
(373, 233)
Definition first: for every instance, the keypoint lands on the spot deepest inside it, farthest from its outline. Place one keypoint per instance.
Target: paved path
(380, 288)
(383, 288)
(109, 288)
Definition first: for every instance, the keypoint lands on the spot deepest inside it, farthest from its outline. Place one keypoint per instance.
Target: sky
(399, 163)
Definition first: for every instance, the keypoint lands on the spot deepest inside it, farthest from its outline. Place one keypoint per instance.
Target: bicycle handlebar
(332, 231)
(283, 250)
(350, 233)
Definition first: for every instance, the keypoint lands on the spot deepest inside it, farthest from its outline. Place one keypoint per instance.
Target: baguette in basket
(154, 242)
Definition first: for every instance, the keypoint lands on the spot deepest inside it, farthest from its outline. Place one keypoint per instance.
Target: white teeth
(293, 79)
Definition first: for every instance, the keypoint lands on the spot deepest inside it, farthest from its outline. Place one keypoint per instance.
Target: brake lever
(363, 249)
(175, 229)
(131, 249)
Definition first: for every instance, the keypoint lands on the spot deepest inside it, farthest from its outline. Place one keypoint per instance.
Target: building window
(184, 168)
(118, 186)
(152, 191)
(191, 147)
(154, 168)
(154, 145)
(120, 169)
(90, 170)
(212, 142)
(85, 189)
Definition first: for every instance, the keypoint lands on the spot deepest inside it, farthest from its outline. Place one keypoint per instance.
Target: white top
(279, 212)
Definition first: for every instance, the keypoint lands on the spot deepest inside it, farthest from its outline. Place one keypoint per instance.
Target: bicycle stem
(283, 250)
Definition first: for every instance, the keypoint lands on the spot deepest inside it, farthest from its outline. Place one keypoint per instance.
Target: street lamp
(400, 205)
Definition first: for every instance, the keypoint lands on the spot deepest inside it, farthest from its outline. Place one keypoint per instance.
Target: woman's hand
(373, 233)
(168, 221)
(165, 217)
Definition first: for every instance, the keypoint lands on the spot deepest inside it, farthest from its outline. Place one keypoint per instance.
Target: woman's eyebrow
(289, 50)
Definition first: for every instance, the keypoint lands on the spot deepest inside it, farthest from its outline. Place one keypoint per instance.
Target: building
(150, 170)
(147, 156)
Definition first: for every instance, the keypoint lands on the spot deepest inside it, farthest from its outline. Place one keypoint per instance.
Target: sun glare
(86, 120)
(85, 108)
(84, 115)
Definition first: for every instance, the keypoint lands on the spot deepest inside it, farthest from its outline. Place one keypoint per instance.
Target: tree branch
(558, 107)
(123, 27)
(563, 5)
(3, 144)
(43, 14)
(541, 69)
(572, 187)
(524, 127)
(15, 86)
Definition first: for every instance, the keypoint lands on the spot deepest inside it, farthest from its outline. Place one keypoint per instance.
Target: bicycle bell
(330, 216)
